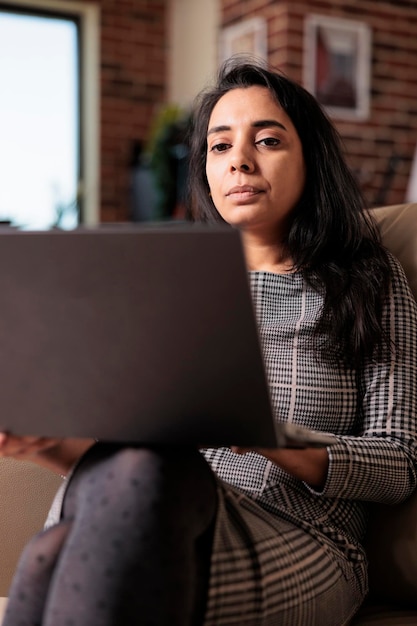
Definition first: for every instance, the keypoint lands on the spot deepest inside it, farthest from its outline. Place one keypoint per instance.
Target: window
(48, 167)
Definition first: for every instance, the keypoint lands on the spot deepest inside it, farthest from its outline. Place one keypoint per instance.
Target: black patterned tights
(132, 548)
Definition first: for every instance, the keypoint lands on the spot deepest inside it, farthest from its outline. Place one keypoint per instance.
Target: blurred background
(96, 96)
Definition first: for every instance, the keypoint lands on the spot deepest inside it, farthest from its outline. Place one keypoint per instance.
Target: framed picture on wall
(246, 37)
(337, 65)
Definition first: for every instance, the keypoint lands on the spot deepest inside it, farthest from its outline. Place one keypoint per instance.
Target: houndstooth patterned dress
(285, 554)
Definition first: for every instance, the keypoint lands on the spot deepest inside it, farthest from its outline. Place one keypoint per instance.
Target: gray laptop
(142, 333)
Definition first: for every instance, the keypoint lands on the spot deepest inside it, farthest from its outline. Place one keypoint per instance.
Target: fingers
(16, 446)
(240, 450)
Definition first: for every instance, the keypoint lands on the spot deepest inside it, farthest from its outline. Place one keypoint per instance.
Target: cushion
(26, 493)
(384, 616)
(398, 226)
(391, 547)
(392, 535)
(3, 604)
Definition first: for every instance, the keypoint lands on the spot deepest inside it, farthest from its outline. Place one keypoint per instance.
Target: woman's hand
(58, 455)
(25, 447)
(307, 464)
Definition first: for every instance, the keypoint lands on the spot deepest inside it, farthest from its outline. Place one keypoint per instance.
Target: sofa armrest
(26, 493)
(398, 227)
(391, 546)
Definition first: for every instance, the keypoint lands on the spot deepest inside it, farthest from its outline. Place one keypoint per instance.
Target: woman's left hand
(307, 464)
(25, 447)
(56, 454)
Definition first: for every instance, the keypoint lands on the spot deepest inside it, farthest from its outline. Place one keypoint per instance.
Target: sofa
(26, 491)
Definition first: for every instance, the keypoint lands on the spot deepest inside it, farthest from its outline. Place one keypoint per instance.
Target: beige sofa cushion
(392, 536)
(3, 604)
(384, 616)
(392, 551)
(26, 493)
(398, 226)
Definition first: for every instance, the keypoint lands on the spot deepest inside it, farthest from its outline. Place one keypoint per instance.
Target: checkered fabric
(284, 553)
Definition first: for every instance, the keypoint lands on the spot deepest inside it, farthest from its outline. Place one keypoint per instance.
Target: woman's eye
(269, 141)
(219, 147)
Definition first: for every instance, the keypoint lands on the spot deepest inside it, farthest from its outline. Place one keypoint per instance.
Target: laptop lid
(130, 334)
(133, 334)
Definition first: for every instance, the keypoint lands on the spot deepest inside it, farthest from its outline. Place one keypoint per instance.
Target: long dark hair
(332, 239)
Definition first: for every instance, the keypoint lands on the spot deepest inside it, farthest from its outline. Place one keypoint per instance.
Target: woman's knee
(40, 554)
(170, 481)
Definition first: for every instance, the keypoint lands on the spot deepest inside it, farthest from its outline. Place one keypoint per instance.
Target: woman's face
(255, 166)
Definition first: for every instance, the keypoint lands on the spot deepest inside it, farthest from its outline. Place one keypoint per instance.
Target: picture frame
(337, 65)
(246, 37)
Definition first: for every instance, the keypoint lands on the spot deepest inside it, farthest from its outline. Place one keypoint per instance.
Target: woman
(238, 536)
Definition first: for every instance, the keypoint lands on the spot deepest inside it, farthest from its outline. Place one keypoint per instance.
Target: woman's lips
(243, 192)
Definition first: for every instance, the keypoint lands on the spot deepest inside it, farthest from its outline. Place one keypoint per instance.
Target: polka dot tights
(133, 546)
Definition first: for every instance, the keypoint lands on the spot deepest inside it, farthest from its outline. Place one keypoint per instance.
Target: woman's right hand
(58, 455)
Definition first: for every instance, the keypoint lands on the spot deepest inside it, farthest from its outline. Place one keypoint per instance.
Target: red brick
(392, 125)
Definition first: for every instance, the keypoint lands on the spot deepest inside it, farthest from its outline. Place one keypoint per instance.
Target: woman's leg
(35, 569)
(138, 543)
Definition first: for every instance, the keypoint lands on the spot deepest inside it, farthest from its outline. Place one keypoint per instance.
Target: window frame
(88, 17)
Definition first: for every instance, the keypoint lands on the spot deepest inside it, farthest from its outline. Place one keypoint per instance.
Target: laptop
(140, 333)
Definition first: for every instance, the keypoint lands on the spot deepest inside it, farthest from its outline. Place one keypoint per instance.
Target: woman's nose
(244, 167)
(241, 161)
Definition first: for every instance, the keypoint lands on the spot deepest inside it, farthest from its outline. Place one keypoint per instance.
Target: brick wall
(389, 135)
(133, 84)
(134, 78)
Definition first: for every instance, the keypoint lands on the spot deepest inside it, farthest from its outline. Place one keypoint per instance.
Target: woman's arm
(309, 464)
(58, 455)
(379, 464)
